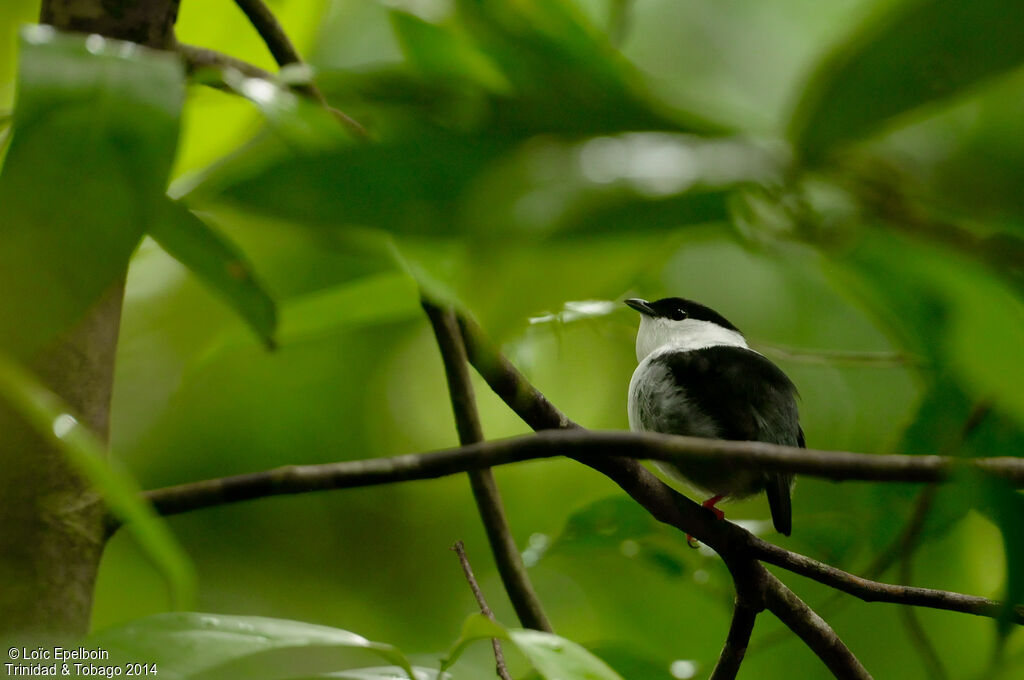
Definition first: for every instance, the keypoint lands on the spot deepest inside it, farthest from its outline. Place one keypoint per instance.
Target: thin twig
(485, 490)
(813, 630)
(198, 58)
(284, 53)
(273, 34)
(742, 625)
(499, 655)
(875, 591)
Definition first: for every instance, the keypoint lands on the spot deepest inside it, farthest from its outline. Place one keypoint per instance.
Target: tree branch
(485, 489)
(595, 448)
(267, 25)
(284, 53)
(606, 452)
(743, 617)
(813, 630)
(197, 58)
(874, 591)
(508, 383)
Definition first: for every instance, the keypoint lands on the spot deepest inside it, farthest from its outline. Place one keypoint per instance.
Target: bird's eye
(677, 315)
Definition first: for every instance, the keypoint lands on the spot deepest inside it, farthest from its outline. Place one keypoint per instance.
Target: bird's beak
(640, 306)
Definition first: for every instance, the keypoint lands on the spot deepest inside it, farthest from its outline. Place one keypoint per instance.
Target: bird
(697, 376)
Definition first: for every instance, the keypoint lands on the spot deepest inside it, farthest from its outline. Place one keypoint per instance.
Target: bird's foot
(710, 505)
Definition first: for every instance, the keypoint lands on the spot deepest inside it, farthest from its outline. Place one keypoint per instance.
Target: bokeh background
(882, 329)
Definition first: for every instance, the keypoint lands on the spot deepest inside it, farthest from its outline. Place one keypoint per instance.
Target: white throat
(688, 334)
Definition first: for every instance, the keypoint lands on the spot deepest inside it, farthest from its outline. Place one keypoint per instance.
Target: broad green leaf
(442, 52)
(185, 644)
(218, 263)
(566, 76)
(474, 627)
(382, 673)
(628, 182)
(411, 186)
(367, 301)
(555, 657)
(442, 185)
(924, 51)
(73, 210)
(52, 420)
(302, 124)
(630, 663)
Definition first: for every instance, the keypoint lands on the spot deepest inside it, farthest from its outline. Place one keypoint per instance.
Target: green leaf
(628, 182)
(304, 125)
(52, 420)
(72, 212)
(411, 186)
(474, 627)
(377, 299)
(383, 673)
(218, 263)
(567, 77)
(444, 53)
(186, 644)
(442, 185)
(922, 52)
(555, 657)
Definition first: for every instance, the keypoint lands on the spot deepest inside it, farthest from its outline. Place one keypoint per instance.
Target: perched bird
(698, 377)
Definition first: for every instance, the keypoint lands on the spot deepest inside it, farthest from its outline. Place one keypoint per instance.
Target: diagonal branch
(735, 648)
(813, 630)
(874, 591)
(267, 25)
(485, 489)
(197, 58)
(284, 53)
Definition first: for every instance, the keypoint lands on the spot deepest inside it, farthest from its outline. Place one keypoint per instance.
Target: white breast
(657, 334)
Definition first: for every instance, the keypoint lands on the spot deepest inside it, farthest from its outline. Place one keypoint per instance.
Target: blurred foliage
(831, 176)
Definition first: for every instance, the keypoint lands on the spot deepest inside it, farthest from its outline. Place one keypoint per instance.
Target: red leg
(710, 505)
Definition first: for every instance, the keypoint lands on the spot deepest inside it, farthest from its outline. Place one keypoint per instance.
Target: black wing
(748, 398)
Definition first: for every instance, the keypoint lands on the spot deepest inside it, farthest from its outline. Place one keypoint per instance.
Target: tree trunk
(51, 534)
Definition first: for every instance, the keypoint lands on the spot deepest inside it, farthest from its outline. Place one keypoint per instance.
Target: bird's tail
(777, 489)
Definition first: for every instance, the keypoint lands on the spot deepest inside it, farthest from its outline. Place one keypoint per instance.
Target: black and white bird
(698, 377)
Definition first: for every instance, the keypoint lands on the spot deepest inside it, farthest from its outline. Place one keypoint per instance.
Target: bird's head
(682, 324)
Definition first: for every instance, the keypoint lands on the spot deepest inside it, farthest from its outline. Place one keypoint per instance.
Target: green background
(357, 373)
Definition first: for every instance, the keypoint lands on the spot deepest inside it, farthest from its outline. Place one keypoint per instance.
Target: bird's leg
(710, 505)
